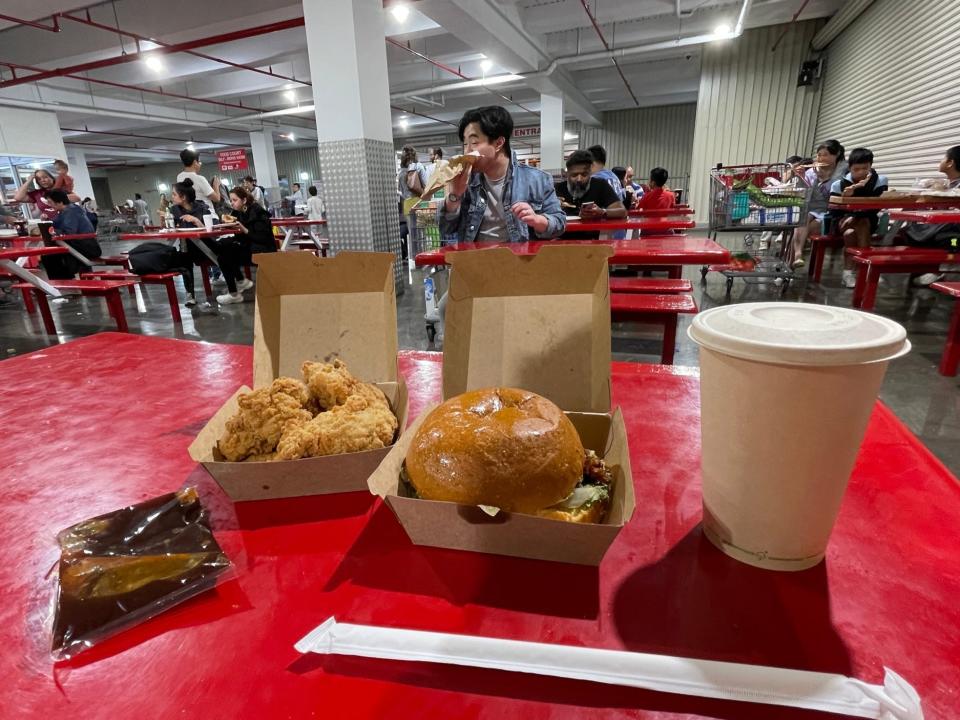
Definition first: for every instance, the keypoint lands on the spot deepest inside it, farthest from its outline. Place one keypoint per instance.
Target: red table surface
(648, 224)
(660, 212)
(281, 222)
(896, 204)
(15, 253)
(654, 250)
(926, 216)
(101, 422)
(178, 234)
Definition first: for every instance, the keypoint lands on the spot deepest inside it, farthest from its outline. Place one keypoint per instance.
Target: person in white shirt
(296, 198)
(315, 208)
(209, 191)
(251, 187)
(143, 213)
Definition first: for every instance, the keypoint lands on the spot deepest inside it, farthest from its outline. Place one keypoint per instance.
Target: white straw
(827, 692)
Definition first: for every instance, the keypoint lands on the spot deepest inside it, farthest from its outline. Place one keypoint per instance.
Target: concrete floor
(926, 402)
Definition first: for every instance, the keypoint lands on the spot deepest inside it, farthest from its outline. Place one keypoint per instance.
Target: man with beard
(590, 198)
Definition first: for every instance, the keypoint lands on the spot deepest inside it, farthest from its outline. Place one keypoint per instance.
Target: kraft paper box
(540, 323)
(311, 308)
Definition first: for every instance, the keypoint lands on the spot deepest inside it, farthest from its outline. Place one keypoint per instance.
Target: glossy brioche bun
(504, 447)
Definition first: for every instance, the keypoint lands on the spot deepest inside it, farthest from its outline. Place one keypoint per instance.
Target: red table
(659, 212)
(897, 219)
(10, 259)
(887, 592)
(873, 261)
(647, 224)
(292, 224)
(194, 236)
(669, 251)
(932, 217)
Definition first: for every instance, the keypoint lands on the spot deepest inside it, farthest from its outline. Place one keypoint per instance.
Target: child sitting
(858, 226)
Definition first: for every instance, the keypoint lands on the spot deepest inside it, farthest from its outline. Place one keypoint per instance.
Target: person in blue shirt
(600, 170)
(70, 220)
(500, 199)
(857, 227)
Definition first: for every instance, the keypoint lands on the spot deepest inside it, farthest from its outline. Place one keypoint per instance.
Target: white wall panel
(30, 133)
(890, 85)
(749, 108)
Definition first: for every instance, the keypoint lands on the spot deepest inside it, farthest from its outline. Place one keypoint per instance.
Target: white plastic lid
(799, 334)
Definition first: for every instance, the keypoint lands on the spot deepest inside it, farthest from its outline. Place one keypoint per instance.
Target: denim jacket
(524, 184)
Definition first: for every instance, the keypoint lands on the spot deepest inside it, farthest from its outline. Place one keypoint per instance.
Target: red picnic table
(660, 212)
(11, 259)
(873, 262)
(932, 217)
(885, 595)
(606, 228)
(669, 251)
(896, 205)
(291, 225)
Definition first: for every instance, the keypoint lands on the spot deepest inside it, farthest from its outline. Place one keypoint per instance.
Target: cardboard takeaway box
(311, 308)
(540, 323)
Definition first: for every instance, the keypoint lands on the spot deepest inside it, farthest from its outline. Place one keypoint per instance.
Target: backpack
(155, 257)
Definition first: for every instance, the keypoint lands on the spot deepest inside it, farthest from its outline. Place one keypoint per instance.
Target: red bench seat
(871, 263)
(649, 285)
(165, 279)
(661, 309)
(951, 351)
(107, 289)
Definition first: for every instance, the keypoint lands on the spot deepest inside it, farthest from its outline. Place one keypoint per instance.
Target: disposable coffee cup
(786, 392)
(208, 221)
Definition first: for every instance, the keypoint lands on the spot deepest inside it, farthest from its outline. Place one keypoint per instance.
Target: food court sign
(232, 160)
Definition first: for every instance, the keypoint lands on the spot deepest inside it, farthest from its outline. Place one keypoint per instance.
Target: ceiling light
(570, 136)
(304, 176)
(486, 64)
(290, 95)
(163, 187)
(403, 123)
(722, 31)
(292, 137)
(154, 63)
(400, 12)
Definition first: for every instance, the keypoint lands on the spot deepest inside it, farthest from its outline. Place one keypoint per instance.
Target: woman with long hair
(35, 190)
(254, 235)
(411, 180)
(188, 212)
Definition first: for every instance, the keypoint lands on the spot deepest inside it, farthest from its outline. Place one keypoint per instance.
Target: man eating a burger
(497, 199)
(591, 199)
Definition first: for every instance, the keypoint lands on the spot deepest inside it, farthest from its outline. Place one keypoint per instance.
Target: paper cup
(786, 393)
(208, 222)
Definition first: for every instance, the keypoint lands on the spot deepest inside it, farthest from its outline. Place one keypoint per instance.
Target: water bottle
(428, 291)
(168, 220)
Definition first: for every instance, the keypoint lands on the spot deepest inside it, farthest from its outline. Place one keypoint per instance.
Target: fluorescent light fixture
(163, 187)
(570, 136)
(304, 176)
(404, 122)
(722, 31)
(290, 95)
(154, 63)
(400, 12)
(292, 137)
(486, 64)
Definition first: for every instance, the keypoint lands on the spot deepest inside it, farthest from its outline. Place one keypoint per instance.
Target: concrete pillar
(82, 185)
(265, 162)
(551, 133)
(345, 42)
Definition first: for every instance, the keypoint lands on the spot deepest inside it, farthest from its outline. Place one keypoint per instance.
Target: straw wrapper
(894, 700)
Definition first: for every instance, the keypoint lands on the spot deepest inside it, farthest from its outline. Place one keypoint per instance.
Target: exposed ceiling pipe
(849, 12)
(651, 47)
(270, 113)
(163, 48)
(459, 74)
(124, 86)
(30, 23)
(593, 20)
(127, 147)
(119, 133)
(790, 25)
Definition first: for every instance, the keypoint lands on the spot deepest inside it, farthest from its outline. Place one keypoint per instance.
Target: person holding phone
(590, 198)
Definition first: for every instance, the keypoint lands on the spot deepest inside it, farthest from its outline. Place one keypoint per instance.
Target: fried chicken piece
(263, 416)
(330, 383)
(363, 422)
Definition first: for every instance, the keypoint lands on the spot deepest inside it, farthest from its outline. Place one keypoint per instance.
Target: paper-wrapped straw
(894, 700)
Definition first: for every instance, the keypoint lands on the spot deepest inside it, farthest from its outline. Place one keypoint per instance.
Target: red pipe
(786, 29)
(162, 49)
(586, 9)
(450, 70)
(31, 23)
(123, 86)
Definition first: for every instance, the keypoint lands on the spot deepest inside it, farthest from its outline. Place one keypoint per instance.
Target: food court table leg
(287, 237)
(115, 304)
(73, 251)
(951, 351)
(45, 312)
(14, 268)
(861, 286)
(669, 340)
(674, 272)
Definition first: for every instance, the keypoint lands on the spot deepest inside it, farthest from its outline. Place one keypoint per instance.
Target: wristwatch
(453, 197)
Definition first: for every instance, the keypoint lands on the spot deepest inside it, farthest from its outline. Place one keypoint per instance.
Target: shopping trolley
(426, 236)
(755, 201)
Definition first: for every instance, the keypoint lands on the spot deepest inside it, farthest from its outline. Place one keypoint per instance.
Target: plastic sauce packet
(119, 569)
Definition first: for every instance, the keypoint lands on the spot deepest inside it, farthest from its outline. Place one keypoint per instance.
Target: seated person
(658, 197)
(858, 226)
(591, 198)
(70, 220)
(188, 211)
(499, 199)
(254, 235)
(944, 236)
(629, 198)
